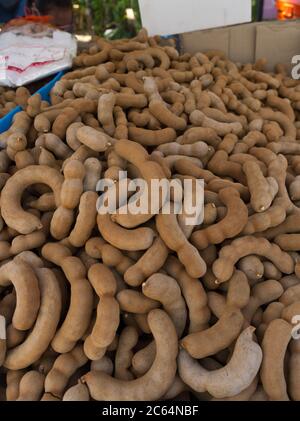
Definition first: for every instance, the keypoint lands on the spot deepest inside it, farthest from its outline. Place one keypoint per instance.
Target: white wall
(166, 17)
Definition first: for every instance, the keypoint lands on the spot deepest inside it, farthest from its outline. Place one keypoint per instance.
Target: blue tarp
(6, 121)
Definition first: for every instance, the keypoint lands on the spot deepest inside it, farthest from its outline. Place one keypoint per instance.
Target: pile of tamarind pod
(7, 100)
(11, 98)
(147, 307)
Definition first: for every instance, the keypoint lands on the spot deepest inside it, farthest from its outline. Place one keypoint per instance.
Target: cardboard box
(277, 41)
(167, 17)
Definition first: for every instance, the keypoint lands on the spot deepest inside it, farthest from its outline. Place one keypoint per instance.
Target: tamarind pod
(71, 138)
(288, 242)
(252, 267)
(293, 377)
(271, 271)
(44, 329)
(104, 364)
(260, 189)
(124, 239)
(238, 293)
(285, 123)
(289, 225)
(220, 165)
(289, 311)
(149, 170)
(227, 381)
(11, 210)
(290, 295)
(127, 341)
(176, 389)
(93, 169)
(294, 189)
(77, 393)
(165, 116)
(86, 219)
(64, 366)
(31, 386)
(197, 149)
(231, 225)
(284, 147)
(264, 221)
(111, 256)
(244, 395)
(14, 336)
(193, 293)
(277, 169)
(108, 313)
(44, 120)
(273, 311)
(262, 293)
(7, 306)
(204, 134)
(77, 74)
(151, 261)
(165, 289)
(54, 144)
(164, 363)
(216, 338)
(198, 118)
(106, 105)
(63, 120)
(143, 359)
(133, 301)
(148, 137)
(290, 93)
(127, 101)
(13, 378)
(133, 82)
(94, 139)
(79, 312)
(21, 275)
(46, 202)
(173, 237)
(274, 346)
(95, 59)
(243, 246)
(185, 167)
(49, 397)
(105, 327)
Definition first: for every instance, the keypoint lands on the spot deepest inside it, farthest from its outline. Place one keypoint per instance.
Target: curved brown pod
(276, 339)
(64, 366)
(108, 312)
(229, 380)
(151, 261)
(21, 275)
(31, 386)
(216, 338)
(45, 326)
(155, 383)
(243, 246)
(122, 238)
(230, 226)
(79, 313)
(174, 238)
(193, 292)
(148, 137)
(11, 209)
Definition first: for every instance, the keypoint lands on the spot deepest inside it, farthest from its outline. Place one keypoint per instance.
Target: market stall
(150, 209)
